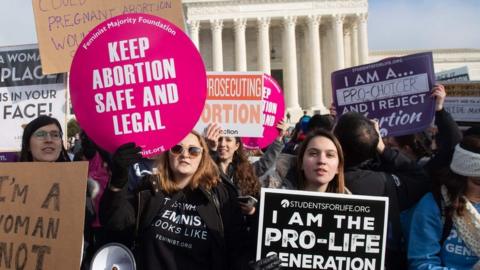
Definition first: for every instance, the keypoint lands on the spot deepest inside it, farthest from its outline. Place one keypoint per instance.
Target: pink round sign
(137, 78)
(273, 113)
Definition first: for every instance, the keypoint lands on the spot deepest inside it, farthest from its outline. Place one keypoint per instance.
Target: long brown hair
(457, 184)
(244, 176)
(337, 185)
(206, 176)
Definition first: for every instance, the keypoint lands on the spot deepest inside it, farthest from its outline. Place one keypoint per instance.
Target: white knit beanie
(465, 162)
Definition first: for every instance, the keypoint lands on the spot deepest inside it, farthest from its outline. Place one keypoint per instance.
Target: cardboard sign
(42, 208)
(25, 94)
(316, 230)
(463, 101)
(137, 78)
(234, 102)
(396, 91)
(273, 112)
(61, 25)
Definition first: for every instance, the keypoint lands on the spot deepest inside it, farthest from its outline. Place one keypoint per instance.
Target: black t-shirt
(178, 237)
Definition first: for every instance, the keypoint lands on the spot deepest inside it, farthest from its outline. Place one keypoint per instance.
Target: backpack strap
(446, 219)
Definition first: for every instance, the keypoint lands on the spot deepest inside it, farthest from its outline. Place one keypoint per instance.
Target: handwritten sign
(26, 93)
(316, 230)
(137, 78)
(234, 102)
(42, 208)
(463, 101)
(61, 25)
(396, 91)
(273, 112)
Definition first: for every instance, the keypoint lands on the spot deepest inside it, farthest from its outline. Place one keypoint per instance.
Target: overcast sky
(392, 24)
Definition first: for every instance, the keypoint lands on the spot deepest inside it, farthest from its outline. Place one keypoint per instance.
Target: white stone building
(298, 42)
(443, 59)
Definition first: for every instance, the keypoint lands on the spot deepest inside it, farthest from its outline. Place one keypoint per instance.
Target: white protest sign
(316, 230)
(234, 101)
(463, 101)
(25, 93)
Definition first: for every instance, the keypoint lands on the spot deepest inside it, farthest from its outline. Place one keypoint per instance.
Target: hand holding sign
(124, 156)
(212, 133)
(282, 129)
(438, 92)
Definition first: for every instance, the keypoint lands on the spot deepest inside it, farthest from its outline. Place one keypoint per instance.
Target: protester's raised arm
(212, 134)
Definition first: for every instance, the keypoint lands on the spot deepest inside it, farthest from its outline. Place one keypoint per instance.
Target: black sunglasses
(193, 151)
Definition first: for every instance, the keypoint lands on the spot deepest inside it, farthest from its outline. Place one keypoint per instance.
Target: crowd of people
(181, 209)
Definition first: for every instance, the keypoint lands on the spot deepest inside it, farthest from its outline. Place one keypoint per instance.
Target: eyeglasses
(193, 151)
(42, 134)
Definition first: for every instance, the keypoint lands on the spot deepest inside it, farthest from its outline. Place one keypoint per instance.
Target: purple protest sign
(273, 112)
(396, 91)
(8, 157)
(137, 78)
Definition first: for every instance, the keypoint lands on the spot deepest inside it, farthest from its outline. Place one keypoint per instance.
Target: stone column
(354, 43)
(330, 64)
(263, 45)
(290, 63)
(325, 56)
(240, 48)
(337, 25)
(316, 96)
(304, 67)
(362, 38)
(194, 32)
(217, 50)
(347, 40)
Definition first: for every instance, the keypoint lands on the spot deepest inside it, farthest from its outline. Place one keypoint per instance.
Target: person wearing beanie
(445, 225)
(42, 141)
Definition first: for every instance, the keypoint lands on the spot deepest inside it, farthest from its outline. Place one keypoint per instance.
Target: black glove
(271, 262)
(125, 155)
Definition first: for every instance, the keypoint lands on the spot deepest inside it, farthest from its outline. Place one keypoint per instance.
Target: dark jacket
(266, 162)
(399, 178)
(448, 136)
(260, 167)
(220, 211)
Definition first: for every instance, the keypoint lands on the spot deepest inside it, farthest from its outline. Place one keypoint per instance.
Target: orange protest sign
(235, 102)
(233, 86)
(42, 208)
(61, 25)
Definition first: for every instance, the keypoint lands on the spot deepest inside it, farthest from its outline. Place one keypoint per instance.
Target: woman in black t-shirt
(182, 216)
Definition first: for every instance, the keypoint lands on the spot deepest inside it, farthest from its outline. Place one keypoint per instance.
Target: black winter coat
(399, 178)
(220, 211)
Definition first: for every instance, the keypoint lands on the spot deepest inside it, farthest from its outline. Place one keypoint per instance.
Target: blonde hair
(206, 176)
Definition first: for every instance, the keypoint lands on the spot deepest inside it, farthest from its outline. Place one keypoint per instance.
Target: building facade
(298, 42)
(443, 59)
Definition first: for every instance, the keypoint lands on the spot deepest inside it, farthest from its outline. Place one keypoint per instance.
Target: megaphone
(113, 256)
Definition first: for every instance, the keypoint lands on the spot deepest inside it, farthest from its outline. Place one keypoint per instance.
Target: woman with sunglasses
(182, 216)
